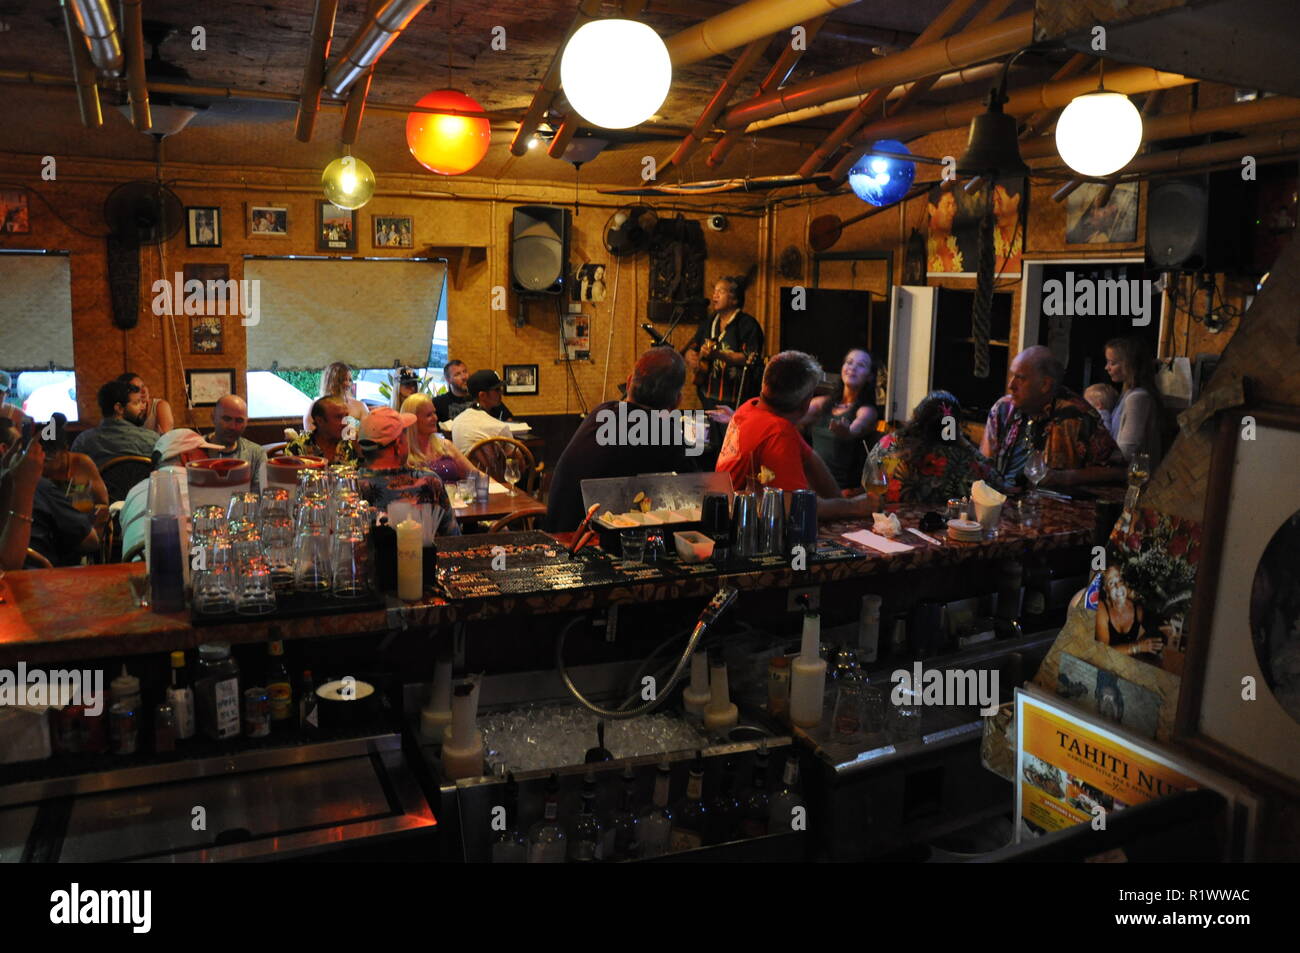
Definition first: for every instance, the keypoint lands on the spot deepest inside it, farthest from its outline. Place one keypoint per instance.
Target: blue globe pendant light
(881, 180)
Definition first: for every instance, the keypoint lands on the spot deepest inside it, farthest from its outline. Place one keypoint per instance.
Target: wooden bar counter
(88, 612)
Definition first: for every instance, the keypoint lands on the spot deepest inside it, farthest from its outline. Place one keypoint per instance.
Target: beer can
(123, 728)
(257, 713)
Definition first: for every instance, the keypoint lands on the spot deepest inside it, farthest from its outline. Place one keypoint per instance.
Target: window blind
(35, 312)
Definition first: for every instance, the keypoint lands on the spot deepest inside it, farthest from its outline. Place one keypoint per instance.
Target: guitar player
(725, 355)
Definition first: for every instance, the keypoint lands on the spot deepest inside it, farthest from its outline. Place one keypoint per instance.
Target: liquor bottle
(688, 816)
(181, 697)
(546, 840)
(786, 803)
(722, 820)
(278, 688)
(586, 833)
(307, 719)
(808, 678)
(757, 802)
(508, 844)
(657, 823)
(621, 842)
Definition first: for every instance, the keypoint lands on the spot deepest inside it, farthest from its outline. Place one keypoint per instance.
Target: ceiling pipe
(370, 42)
(839, 30)
(1041, 120)
(960, 77)
(94, 18)
(83, 74)
(1274, 143)
(1020, 102)
(743, 24)
(137, 90)
(940, 26)
(704, 124)
(563, 136)
(778, 74)
(313, 72)
(550, 84)
(1002, 38)
(1261, 112)
(356, 108)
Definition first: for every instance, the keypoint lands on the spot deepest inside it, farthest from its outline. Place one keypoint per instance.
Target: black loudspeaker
(539, 249)
(1200, 224)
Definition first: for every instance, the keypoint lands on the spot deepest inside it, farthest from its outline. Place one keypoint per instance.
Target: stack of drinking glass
(314, 540)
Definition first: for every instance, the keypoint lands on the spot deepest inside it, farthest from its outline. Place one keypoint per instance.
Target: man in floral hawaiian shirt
(1070, 434)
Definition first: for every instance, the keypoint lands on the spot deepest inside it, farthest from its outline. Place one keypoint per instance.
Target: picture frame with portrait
(336, 228)
(392, 231)
(1239, 703)
(202, 226)
(207, 334)
(268, 221)
(520, 378)
(15, 213)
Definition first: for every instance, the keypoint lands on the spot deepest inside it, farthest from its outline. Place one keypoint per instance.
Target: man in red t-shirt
(763, 439)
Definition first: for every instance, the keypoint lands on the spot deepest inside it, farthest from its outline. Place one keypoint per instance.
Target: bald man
(229, 420)
(655, 384)
(1077, 446)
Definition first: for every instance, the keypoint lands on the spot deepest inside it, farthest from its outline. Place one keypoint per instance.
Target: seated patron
(384, 478)
(57, 530)
(929, 459)
(73, 473)
(429, 450)
(20, 472)
(1070, 434)
(172, 451)
(484, 417)
(158, 413)
(1102, 398)
(762, 446)
(655, 385)
(843, 425)
(229, 420)
(121, 432)
(329, 414)
(1135, 419)
(336, 381)
(457, 396)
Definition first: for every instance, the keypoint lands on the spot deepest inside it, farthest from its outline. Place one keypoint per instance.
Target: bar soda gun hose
(712, 612)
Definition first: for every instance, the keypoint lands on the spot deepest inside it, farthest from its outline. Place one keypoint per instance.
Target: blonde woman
(429, 451)
(336, 381)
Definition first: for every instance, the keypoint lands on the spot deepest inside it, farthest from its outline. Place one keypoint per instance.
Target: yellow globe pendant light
(348, 182)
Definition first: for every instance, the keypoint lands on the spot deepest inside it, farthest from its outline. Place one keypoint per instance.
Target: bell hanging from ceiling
(993, 148)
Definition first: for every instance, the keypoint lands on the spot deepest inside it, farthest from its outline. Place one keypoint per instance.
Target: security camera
(718, 223)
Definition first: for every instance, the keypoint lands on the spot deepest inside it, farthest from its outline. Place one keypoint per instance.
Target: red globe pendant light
(444, 143)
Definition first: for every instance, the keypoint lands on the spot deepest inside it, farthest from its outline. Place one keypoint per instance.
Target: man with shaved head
(1038, 413)
(600, 449)
(229, 420)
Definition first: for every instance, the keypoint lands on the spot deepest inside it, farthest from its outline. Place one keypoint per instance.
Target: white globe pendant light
(1098, 133)
(615, 73)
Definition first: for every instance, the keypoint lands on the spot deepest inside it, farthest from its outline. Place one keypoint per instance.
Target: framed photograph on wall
(203, 226)
(1087, 222)
(14, 212)
(1239, 704)
(520, 378)
(268, 221)
(336, 228)
(392, 231)
(207, 335)
(206, 386)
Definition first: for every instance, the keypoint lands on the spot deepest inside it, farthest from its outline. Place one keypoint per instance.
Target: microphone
(655, 336)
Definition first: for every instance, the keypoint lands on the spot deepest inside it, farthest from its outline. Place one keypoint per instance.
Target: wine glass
(1139, 469)
(512, 471)
(874, 480)
(1035, 470)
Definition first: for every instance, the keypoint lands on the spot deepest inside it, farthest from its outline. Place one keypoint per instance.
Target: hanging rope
(981, 316)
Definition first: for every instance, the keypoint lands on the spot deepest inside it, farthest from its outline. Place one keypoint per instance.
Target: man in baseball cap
(384, 477)
(171, 452)
(485, 417)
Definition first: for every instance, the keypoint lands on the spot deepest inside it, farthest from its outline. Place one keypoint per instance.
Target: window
(370, 313)
(36, 315)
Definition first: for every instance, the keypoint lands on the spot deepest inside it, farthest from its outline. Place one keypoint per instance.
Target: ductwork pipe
(1270, 144)
(318, 54)
(550, 84)
(370, 42)
(1020, 102)
(94, 18)
(743, 24)
(960, 77)
(83, 74)
(780, 71)
(735, 76)
(133, 33)
(356, 109)
(965, 49)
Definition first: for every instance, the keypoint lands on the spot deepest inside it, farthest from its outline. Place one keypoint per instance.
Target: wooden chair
(122, 473)
(275, 449)
(36, 561)
(491, 453)
(518, 520)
